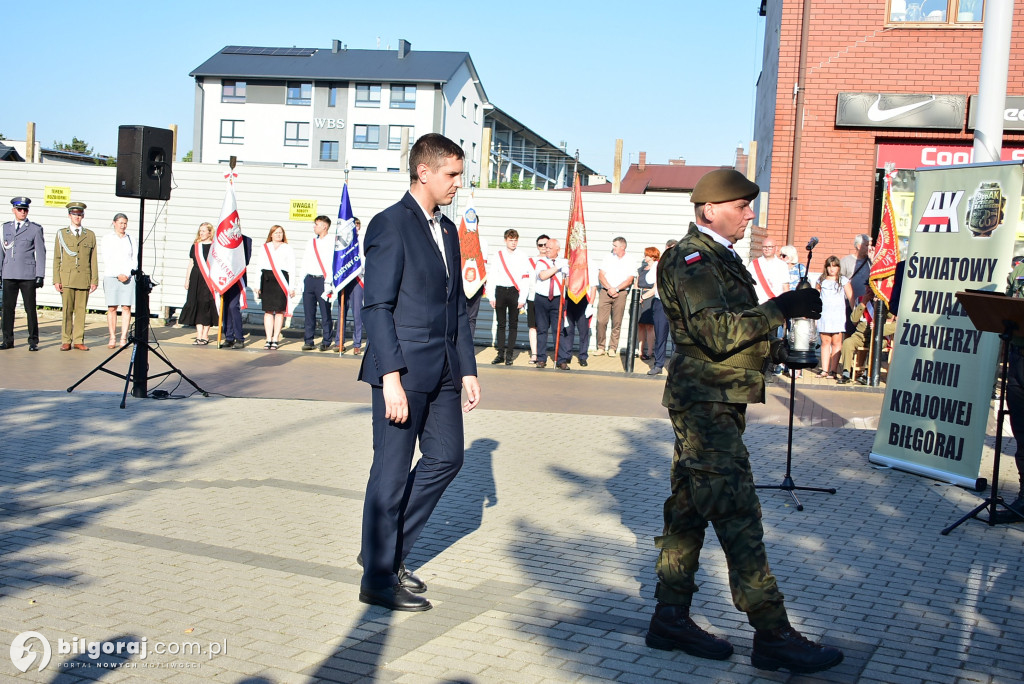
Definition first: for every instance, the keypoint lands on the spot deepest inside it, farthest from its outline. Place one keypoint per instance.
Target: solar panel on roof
(276, 52)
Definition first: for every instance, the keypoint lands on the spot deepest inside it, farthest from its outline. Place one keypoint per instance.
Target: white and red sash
(328, 293)
(281, 280)
(508, 272)
(761, 279)
(204, 268)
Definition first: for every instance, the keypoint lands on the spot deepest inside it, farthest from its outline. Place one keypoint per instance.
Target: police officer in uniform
(724, 340)
(75, 275)
(22, 267)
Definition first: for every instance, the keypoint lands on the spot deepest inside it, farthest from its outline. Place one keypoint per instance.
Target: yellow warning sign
(302, 210)
(56, 196)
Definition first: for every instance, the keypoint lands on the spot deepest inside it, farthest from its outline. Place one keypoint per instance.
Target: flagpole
(220, 321)
(568, 234)
(341, 322)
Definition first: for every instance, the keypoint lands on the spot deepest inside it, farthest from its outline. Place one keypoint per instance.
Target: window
(473, 158)
(332, 96)
(365, 137)
(367, 94)
(476, 113)
(463, 106)
(233, 91)
(329, 150)
(300, 94)
(296, 134)
(395, 137)
(231, 132)
(364, 168)
(932, 13)
(403, 97)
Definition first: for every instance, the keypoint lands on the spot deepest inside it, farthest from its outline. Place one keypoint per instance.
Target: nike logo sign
(877, 114)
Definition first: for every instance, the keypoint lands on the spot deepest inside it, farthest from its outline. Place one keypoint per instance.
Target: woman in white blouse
(119, 255)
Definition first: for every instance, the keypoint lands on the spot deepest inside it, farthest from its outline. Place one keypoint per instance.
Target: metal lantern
(803, 333)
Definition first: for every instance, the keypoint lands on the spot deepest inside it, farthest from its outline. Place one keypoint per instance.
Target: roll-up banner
(940, 382)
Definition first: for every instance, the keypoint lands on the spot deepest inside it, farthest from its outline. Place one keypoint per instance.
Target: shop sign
(900, 110)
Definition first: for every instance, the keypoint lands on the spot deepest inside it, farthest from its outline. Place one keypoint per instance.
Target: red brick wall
(850, 50)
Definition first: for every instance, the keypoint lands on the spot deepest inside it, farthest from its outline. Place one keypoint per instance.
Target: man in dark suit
(234, 335)
(421, 358)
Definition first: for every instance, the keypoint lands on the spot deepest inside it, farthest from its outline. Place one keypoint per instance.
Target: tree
(76, 145)
(2, 137)
(187, 157)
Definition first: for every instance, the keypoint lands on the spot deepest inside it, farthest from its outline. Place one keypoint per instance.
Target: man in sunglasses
(22, 268)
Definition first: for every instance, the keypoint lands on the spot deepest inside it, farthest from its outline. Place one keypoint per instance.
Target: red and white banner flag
(474, 270)
(227, 256)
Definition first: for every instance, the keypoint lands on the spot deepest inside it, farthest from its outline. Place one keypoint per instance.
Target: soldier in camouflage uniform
(1015, 399)
(723, 342)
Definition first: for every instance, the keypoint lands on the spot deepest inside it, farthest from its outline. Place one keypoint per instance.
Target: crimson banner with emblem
(578, 282)
(887, 253)
(474, 270)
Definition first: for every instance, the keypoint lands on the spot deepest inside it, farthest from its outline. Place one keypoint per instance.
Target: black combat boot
(787, 648)
(671, 629)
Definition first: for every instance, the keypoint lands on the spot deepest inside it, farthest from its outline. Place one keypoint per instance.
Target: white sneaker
(612, 352)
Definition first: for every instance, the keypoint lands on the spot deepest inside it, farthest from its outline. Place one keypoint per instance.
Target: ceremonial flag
(474, 270)
(578, 282)
(887, 254)
(227, 254)
(348, 258)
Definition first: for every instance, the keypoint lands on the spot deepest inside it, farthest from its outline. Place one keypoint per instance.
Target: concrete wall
(264, 196)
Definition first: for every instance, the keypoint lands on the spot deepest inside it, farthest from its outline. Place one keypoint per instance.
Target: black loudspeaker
(144, 162)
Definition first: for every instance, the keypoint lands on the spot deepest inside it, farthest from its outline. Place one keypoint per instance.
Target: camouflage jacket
(1015, 288)
(708, 296)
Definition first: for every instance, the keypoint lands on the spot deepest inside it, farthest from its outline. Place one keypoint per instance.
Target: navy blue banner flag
(348, 258)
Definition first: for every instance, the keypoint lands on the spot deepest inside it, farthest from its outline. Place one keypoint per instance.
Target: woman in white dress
(835, 291)
(117, 250)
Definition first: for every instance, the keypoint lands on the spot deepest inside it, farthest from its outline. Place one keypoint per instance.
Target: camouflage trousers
(712, 482)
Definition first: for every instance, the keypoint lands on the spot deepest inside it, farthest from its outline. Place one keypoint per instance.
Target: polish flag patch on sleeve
(692, 258)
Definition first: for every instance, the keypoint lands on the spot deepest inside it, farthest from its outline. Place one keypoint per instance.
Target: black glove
(779, 351)
(804, 303)
(39, 283)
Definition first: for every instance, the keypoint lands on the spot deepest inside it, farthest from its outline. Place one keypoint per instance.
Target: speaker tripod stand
(138, 366)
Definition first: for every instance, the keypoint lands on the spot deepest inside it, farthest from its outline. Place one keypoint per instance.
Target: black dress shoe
(226, 344)
(239, 344)
(394, 598)
(406, 578)
(6, 345)
(33, 347)
(508, 359)
(843, 380)
(562, 365)
(500, 358)
(583, 363)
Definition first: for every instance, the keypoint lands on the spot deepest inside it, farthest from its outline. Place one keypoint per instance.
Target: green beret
(723, 185)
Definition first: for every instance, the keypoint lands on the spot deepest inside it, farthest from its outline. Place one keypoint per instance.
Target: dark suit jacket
(414, 316)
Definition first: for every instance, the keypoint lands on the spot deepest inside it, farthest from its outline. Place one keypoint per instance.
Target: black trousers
(400, 498)
(1015, 406)
(547, 320)
(27, 288)
(576, 316)
(506, 308)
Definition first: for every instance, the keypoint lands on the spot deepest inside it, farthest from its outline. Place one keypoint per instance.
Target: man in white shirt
(547, 288)
(508, 284)
(317, 266)
(771, 274)
(531, 312)
(616, 277)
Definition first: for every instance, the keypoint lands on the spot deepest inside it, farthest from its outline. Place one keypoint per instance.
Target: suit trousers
(613, 308)
(473, 310)
(506, 309)
(576, 314)
(312, 288)
(712, 482)
(233, 314)
(1015, 407)
(73, 306)
(353, 301)
(547, 319)
(399, 501)
(661, 328)
(27, 288)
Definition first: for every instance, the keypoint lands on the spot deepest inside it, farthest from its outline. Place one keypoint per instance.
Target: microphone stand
(802, 359)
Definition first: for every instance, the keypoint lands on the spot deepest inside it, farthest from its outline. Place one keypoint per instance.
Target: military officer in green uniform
(724, 340)
(75, 275)
(1015, 400)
